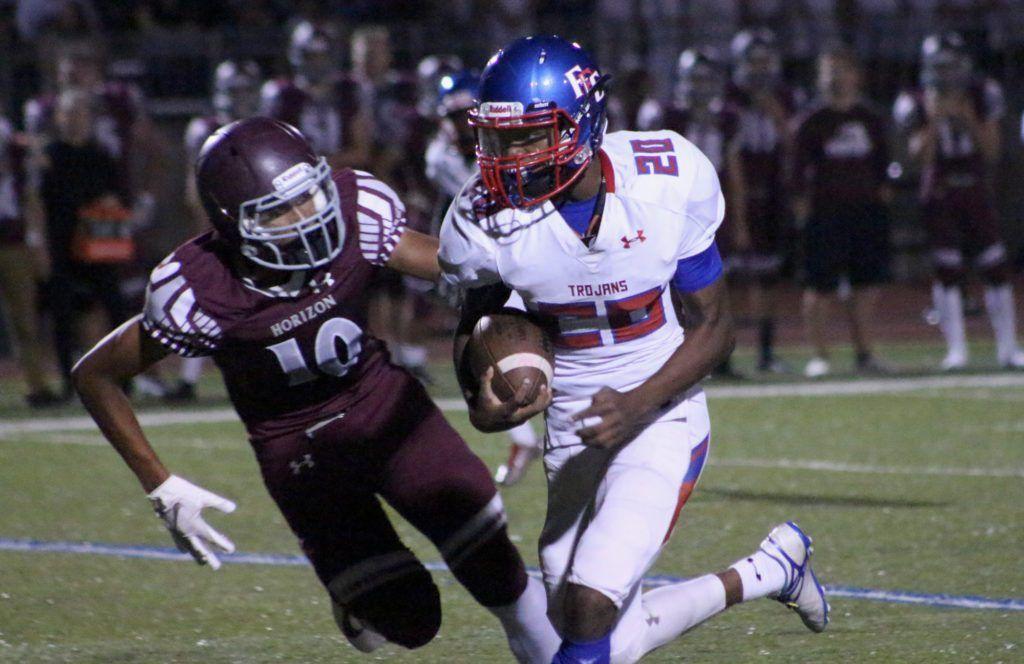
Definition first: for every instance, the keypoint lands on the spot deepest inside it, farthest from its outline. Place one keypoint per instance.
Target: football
(516, 347)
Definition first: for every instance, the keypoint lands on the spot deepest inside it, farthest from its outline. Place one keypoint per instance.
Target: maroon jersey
(958, 162)
(290, 356)
(327, 123)
(840, 157)
(763, 142)
(12, 183)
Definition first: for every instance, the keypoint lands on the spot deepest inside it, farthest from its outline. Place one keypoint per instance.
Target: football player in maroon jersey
(330, 108)
(276, 294)
(952, 122)
(766, 106)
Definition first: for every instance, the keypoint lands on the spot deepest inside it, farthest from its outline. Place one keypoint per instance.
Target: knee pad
(404, 609)
(949, 266)
(993, 264)
(484, 560)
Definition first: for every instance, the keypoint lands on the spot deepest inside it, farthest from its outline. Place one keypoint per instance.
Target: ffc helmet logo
(583, 80)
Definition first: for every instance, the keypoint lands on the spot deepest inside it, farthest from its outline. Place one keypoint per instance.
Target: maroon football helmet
(267, 193)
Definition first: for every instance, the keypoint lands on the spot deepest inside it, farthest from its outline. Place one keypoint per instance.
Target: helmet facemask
(530, 178)
(299, 226)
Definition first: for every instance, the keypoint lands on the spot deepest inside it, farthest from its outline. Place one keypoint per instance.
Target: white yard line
(822, 465)
(804, 389)
(56, 430)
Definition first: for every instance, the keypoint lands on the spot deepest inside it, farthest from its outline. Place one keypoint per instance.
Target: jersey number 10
(332, 358)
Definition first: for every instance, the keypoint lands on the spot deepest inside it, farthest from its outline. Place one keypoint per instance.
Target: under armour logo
(652, 621)
(627, 241)
(305, 462)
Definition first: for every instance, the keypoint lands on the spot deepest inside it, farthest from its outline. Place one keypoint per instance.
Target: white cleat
(1013, 361)
(817, 367)
(792, 549)
(954, 361)
(358, 633)
(519, 459)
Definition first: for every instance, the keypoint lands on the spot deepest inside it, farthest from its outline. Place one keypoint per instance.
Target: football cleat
(817, 367)
(872, 366)
(791, 548)
(358, 633)
(954, 361)
(1015, 361)
(775, 366)
(519, 459)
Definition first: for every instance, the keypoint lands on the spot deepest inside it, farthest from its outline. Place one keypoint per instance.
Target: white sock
(1003, 315)
(524, 435)
(950, 304)
(671, 611)
(761, 575)
(530, 634)
(191, 369)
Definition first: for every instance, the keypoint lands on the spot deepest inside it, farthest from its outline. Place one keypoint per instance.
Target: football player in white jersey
(600, 236)
(449, 163)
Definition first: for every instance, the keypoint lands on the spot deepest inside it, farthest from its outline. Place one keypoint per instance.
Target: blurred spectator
(21, 263)
(122, 126)
(953, 126)
(64, 18)
(327, 106)
(840, 164)
(236, 86)
(698, 111)
(86, 224)
(766, 104)
(400, 135)
(630, 90)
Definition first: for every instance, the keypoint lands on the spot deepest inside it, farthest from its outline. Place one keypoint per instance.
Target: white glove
(180, 504)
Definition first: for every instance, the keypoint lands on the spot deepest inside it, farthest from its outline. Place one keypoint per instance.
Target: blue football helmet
(540, 119)
(458, 91)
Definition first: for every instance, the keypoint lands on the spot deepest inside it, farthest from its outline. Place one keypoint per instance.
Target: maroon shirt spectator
(841, 156)
(840, 163)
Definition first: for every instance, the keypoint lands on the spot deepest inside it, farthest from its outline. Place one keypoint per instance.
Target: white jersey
(446, 167)
(609, 305)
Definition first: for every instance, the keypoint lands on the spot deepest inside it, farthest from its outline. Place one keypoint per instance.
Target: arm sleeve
(381, 218)
(704, 209)
(467, 253)
(697, 272)
(172, 316)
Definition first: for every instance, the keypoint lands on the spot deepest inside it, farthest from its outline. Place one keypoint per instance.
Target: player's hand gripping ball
(514, 359)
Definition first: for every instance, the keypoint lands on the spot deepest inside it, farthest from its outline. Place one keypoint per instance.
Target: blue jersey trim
(697, 272)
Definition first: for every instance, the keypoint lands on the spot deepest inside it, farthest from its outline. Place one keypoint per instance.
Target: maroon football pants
(395, 445)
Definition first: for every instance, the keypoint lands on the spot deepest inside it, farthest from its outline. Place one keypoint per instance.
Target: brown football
(516, 347)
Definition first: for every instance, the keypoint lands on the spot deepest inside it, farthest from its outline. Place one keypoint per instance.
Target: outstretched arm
(416, 255)
(710, 338)
(98, 378)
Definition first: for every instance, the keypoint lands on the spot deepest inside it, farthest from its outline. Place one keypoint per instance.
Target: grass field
(918, 490)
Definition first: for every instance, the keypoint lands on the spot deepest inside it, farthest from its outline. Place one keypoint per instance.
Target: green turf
(924, 533)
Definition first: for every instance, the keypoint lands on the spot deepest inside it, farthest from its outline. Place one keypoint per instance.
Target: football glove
(179, 503)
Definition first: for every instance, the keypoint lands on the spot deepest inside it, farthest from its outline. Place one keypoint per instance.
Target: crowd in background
(776, 93)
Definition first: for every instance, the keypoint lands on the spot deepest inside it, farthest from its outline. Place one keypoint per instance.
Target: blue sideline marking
(282, 560)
